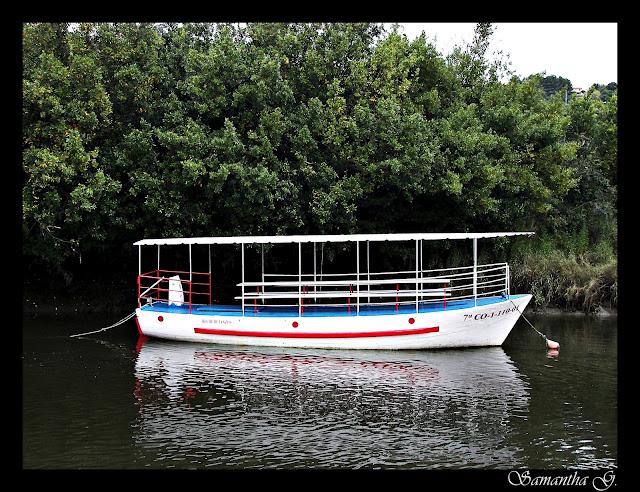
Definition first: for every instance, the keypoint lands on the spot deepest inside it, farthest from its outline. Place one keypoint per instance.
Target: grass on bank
(585, 282)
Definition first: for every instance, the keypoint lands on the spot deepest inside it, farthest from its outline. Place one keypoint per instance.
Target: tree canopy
(149, 130)
(551, 84)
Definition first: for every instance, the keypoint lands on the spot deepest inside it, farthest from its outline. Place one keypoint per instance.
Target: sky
(585, 53)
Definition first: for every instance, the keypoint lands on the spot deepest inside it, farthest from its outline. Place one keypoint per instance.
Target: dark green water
(108, 401)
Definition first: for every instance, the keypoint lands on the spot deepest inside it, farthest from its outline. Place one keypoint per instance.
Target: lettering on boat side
(218, 321)
(492, 314)
(599, 482)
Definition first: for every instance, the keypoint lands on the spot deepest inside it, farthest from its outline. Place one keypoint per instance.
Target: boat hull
(475, 326)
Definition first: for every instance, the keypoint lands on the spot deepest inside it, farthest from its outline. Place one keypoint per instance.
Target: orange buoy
(551, 345)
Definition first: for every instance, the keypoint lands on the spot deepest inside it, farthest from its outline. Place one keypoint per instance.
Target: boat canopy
(326, 238)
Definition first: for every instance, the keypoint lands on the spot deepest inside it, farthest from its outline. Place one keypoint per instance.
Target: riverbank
(560, 283)
(554, 311)
(567, 282)
(59, 307)
(81, 300)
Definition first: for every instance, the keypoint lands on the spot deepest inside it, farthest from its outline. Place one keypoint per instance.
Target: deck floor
(292, 311)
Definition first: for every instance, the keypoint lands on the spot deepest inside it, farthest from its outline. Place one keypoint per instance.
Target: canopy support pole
(242, 278)
(368, 276)
(475, 271)
(190, 280)
(299, 279)
(139, 272)
(421, 268)
(262, 253)
(159, 277)
(358, 278)
(417, 278)
(210, 300)
(321, 261)
(315, 288)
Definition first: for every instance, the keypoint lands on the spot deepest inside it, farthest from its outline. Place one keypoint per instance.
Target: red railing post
(349, 298)
(156, 276)
(397, 291)
(158, 288)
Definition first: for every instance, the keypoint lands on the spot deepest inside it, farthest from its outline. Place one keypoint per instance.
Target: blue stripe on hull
(324, 311)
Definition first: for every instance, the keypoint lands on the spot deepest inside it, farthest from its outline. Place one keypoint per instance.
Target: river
(112, 400)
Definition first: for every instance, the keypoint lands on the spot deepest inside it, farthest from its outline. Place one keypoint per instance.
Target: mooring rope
(123, 320)
(525, 318)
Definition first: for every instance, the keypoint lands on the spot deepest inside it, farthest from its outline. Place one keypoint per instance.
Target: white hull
(479, 326)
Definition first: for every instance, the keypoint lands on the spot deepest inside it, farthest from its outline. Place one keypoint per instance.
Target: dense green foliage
(139, 130)
(552, 84)
(604, 92)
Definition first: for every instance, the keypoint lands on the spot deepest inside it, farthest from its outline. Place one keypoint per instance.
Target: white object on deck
(176, 294)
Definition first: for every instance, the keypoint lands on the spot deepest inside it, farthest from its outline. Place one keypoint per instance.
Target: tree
(552, 84)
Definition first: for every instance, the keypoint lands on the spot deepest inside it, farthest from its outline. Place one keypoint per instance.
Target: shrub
(567, 281)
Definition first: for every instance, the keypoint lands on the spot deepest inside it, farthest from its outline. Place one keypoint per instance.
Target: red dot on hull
(411, 321)
(294, 324)
(160, 318)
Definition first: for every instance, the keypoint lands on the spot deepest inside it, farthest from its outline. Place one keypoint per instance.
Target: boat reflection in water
(241, 407)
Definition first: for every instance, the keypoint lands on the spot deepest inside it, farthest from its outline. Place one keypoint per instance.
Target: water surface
(115, 401)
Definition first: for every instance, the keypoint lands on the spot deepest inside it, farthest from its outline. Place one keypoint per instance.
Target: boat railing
(352, 291)
(154, 287)
(367, 289)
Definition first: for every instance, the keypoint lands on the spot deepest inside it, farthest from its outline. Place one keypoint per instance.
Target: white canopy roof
(327, 238)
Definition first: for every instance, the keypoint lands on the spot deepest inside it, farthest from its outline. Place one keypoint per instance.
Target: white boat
(464, 306)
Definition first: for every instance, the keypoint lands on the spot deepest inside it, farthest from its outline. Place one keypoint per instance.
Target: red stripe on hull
(283, 334)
